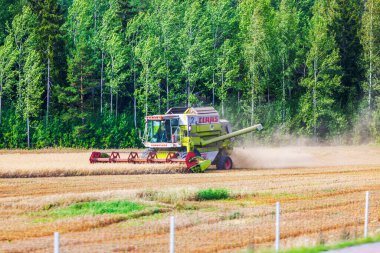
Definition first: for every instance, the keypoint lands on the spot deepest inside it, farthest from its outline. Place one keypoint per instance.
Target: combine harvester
(193, 136)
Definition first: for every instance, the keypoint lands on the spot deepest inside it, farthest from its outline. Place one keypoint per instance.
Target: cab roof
(192, 110)
(173, 112)
(201, 110)
(176, 110)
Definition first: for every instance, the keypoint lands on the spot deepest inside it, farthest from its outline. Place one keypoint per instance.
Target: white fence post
(172, 234)
(366, 214)
(277, 243)
(56, 242)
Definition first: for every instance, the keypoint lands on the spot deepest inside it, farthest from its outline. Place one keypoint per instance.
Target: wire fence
(293, 222)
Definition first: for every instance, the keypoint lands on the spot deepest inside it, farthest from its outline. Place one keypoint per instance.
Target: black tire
(224, 163)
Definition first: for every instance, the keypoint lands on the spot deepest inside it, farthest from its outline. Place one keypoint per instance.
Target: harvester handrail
(231, 135)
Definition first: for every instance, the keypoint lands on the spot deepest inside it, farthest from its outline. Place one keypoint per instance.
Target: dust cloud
(304, 156)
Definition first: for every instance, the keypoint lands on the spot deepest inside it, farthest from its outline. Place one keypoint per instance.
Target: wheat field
(52, 163)
(320, 204)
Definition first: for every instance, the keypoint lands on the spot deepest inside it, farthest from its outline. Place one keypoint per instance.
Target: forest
(83, 74)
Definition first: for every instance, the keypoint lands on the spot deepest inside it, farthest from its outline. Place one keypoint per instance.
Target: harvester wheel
(224, 163)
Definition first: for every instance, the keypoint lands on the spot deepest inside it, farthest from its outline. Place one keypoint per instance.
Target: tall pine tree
(77, 97)
(51, 45)
(346, 19)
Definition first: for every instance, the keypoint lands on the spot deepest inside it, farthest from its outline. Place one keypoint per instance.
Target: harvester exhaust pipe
(258, 127)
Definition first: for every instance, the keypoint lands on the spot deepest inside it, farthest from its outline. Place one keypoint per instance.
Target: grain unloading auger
(193, 136)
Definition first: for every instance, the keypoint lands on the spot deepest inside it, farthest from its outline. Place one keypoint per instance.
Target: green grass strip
(212, 194)
(97, 207)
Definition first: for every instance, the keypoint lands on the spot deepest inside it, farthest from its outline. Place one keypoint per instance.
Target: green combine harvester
(194, 136)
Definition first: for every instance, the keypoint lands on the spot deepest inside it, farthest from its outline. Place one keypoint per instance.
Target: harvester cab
(195, 136)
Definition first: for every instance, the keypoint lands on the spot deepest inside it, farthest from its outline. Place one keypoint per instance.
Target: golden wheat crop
(46, 164)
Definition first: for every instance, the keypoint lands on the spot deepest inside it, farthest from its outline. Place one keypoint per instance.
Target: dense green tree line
(85, 73)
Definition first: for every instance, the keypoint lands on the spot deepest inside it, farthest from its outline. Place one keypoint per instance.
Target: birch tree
(168, 16)
(223, 22)
(227, 71)
(371, 43)
(195, 42)
(319, 110)
(289, 44)
(256, 47)
(31, 88)
(132, 35)
(27, 67)
(99, 7)
(147, 54)
(111, 33)
(22, 28)
(7, 75)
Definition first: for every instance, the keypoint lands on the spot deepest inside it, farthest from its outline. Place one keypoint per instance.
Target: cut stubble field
(321, 190)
